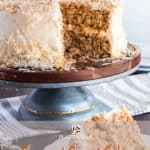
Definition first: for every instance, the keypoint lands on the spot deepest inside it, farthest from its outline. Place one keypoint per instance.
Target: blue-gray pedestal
(72, 103)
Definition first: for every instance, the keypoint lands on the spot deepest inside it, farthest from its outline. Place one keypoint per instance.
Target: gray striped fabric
(133, 92)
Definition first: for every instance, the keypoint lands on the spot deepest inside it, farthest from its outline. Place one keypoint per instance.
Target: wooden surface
(99, 70)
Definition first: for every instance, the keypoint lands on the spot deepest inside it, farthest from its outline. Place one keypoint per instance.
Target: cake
(109, 131)
(47, 34)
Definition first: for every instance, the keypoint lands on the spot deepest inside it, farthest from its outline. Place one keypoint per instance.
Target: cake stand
(63, 95)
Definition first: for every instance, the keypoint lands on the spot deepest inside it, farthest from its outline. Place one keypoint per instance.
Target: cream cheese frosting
(32, 38)
(118, 38)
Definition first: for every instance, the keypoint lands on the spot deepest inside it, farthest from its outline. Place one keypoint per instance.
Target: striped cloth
(133, 92)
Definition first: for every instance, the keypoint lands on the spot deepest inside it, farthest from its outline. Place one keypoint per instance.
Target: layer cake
(47, 34)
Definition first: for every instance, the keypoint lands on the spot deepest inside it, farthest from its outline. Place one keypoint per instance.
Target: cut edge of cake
(93, 29)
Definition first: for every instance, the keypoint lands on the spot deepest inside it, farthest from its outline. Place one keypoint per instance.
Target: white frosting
(119, 42)
(9, 23)
(39, 27)
(42, 30)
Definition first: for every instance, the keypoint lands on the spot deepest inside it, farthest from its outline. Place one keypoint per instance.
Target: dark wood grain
(70, 76)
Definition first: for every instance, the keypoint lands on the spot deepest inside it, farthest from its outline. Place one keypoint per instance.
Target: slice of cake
(112, 131)
(46, 34)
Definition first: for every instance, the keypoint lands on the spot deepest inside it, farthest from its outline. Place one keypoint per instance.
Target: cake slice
(47, 34)
(113, 131)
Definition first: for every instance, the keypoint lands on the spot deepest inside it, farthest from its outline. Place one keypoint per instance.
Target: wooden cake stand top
(92, 71)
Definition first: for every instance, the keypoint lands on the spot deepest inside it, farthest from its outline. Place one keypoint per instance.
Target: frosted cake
(50, 34)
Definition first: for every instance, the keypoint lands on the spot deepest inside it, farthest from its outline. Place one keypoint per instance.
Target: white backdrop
(137, 20)
(137, 23)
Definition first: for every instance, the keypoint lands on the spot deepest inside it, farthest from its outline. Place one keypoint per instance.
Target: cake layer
(82, 15)
(85, 46)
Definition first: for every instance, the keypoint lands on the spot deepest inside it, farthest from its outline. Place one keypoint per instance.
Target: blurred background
(137, 23)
